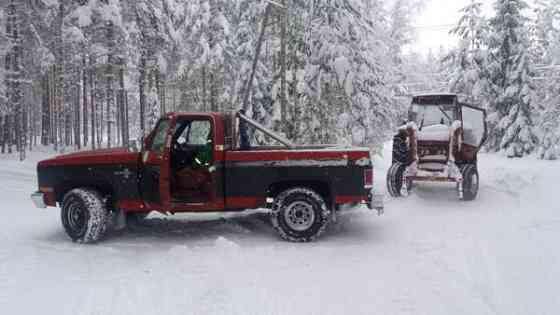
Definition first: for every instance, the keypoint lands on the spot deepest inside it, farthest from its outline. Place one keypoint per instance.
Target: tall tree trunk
(122, 106)
(126, 120)
(14, 74)
(59, 55)
(45, 110)
(77, 116)
(52, 104)
(296, 112)
(142, 92)
(3, 136)
(92, 100)
(84, 101)
(204, 89)
(283, 43)
(109, 93)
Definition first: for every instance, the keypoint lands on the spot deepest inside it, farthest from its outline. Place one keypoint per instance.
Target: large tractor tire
(470, 181)
(395, 179)
(84, 215)
(300, 215)
(400, 150)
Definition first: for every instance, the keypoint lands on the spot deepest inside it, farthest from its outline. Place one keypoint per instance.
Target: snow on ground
(429, 254)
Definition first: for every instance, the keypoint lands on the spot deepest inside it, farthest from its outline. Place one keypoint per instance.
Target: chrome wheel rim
(299, 216)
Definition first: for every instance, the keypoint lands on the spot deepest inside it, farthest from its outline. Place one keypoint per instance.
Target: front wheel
(84, 215)
(400, 149)
(300, 215)
(470, 181)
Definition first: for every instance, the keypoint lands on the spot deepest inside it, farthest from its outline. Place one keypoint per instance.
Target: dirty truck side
(191, 162)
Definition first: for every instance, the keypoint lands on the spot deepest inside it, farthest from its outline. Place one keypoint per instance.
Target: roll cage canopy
(470, 116)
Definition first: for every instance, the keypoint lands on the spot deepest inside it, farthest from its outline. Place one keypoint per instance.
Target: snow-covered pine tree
(401, 33)
(467, 62)
(348, 100)
(546, 53)
(509, 64)
(212, 53)
(248, 21)
(14, 75)
(3, 101)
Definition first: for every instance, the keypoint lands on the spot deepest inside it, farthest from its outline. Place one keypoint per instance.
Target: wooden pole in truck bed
(265, 130)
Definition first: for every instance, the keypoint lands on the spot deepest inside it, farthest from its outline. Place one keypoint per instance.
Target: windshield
(429, 115)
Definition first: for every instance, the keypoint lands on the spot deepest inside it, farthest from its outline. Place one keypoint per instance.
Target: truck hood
(94, 157)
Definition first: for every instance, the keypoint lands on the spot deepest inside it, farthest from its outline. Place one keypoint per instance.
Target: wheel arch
(322, 187)
(103, 187)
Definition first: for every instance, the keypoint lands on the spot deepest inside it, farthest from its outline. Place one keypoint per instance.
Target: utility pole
(109, 77)
(283, 43)
(249, 85)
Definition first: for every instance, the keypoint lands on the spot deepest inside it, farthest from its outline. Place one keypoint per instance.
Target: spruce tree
(546, 52)
(511, 81)
(467, 63)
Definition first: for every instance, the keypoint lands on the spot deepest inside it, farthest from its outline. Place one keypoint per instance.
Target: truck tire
(84, 215)
(394, 179)
(470, 181)
(300, 215)
(400, 150)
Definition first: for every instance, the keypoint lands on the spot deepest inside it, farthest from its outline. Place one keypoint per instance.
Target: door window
(158, 141)
(199, 133)
(473, 126)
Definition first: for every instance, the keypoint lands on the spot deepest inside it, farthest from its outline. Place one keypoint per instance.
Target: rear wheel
(84, 215)
(395, 178)
(470, 181)
(300, 215)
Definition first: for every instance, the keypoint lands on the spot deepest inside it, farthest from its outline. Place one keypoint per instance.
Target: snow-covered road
(429, 254)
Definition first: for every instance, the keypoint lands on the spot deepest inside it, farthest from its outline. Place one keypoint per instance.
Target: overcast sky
(437, 18)
(435, 21)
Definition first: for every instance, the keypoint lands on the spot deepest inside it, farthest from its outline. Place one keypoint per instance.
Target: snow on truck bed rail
(334, 148)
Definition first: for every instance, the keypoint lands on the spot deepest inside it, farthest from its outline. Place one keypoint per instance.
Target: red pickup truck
(203, 162)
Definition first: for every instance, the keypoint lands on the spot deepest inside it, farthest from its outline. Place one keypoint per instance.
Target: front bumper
(375, 202)
(38, 199)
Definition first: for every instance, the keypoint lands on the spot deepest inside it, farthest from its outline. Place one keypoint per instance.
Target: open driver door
(154, 173)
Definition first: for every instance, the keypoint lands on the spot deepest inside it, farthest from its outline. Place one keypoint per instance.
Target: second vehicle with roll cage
(439, 142)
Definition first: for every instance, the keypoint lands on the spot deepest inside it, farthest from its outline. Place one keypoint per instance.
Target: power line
(435, 27)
